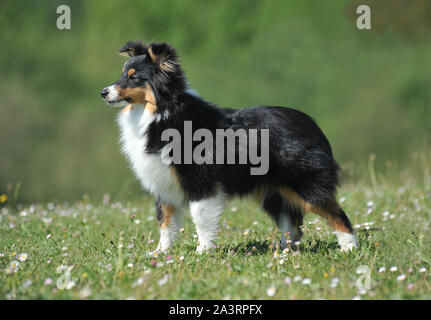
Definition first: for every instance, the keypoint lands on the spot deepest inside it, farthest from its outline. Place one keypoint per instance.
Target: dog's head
(151, 75)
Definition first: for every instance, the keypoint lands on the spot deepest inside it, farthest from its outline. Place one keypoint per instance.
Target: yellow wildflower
(3, 198)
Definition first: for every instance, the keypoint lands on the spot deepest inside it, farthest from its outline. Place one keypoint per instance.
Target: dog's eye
(133, 77)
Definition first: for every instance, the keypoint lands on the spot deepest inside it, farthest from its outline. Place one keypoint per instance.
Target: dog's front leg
(169, 219)
(206, 214)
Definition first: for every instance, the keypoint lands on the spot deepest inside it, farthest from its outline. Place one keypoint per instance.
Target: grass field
(101, 250)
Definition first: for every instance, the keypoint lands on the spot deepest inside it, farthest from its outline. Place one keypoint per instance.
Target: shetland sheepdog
(301, 174)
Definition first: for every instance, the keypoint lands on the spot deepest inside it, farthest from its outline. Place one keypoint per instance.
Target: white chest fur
(154, 175)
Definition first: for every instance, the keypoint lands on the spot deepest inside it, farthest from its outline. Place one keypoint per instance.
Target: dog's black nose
(104, 93)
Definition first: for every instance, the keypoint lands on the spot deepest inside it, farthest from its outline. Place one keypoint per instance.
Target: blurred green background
(369, 90)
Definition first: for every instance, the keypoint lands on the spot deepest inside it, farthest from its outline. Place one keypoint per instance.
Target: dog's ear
(164, 56)
(131, 49)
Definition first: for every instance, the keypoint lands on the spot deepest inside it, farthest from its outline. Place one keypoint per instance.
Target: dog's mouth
(116, 103)
(111, 96)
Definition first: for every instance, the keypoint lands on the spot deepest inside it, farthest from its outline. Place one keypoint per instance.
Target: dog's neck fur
(148, 105)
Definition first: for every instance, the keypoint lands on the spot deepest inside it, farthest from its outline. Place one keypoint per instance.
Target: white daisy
(14, 265)
(22, 256)
(401, 277)
(270, 291)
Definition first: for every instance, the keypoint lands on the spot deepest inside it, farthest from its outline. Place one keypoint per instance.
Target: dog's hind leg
(329, 209)
(169, 219)
(287, 216)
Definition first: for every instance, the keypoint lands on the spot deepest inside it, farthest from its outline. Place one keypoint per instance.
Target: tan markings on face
(329, 213)
(150, 94)
(151, 108)
(142, 95)
(131, 71)
(167, 212)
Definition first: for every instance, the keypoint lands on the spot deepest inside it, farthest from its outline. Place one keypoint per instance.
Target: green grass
(100, 240)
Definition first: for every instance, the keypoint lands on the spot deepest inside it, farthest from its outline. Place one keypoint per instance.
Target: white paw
(349, 247)
(205, 247)
(347, 241)
(161, 248)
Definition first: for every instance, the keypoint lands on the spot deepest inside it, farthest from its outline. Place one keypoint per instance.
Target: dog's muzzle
(111, 96)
